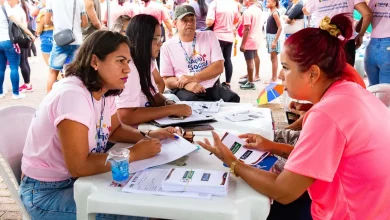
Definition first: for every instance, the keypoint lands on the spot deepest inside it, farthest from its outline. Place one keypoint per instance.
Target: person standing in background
(21, 12)
(61, 15)
(200, 7)
(223, 16)
(294, 18)
(157, 10)
(273, 30)
(92, 8)
(327, 8)
(253, 25)
(9, 51)
(377, 58)
(45, 33)
(118, 8)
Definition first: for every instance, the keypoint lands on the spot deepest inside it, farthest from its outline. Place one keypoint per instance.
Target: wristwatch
(232, 167)
(168, 100)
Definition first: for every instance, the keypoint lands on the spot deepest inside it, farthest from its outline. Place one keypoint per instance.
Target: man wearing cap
(191, 62)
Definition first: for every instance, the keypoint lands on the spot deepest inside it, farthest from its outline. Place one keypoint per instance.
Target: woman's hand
(145, 148)
(219, 149)
(257, 142)
(298, 109)
(165, 133)
(182, 110)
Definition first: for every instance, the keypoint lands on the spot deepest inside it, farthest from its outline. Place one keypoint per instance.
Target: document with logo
(248, 156)
(197, 180)
(150, 182)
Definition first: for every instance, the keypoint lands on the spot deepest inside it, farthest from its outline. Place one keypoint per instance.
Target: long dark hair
(100, 43)
(141, 32)
(203, 7)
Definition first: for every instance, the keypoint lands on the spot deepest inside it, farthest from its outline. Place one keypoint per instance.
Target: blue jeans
(377, 61)
(7, 52)
(54, 200)
(60, 55)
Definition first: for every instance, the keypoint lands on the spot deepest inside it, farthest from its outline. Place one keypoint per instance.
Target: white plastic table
(93, 195)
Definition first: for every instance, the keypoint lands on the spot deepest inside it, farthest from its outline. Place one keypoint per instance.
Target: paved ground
(8, 208)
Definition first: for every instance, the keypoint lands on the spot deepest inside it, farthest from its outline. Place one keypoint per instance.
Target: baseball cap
(182, 11)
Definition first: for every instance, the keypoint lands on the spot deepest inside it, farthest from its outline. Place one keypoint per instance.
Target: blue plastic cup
(119, 160)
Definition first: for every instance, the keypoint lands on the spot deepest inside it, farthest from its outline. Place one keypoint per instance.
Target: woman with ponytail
(341, 157)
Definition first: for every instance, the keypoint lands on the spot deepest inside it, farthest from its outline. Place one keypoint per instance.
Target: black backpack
(16, 33)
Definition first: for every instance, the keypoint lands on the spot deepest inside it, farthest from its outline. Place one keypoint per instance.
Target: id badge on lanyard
(100, 144)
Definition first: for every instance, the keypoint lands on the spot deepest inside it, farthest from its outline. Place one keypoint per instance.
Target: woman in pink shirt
(118, 8)
(68, 135)
(224, 15)
(141, 101)
(341, 157)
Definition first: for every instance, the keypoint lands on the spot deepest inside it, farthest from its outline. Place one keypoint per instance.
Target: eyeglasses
(158, 40)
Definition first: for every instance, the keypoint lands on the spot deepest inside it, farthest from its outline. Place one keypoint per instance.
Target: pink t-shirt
(380, 18)
(252, 16)
(155, 9)
(345, 147)
(117, 10)
(331, 8)
(173, 60)
(223, 13)
(69, 99)
(132, 95)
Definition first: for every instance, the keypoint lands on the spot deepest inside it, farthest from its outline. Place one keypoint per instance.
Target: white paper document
(197, 180)
(150, 182)
(245, 115)
(203, 107)
(248, 156)
(171, 150)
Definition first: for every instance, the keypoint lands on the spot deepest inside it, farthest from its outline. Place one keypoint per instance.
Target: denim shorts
(54, 200)
(60, 55)
(270, 38)
(46, 41)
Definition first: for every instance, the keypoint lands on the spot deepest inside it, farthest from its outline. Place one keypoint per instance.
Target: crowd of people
(118, 65)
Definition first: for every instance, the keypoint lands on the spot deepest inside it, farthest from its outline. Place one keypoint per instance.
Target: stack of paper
(248, 156)
(150, 182)
(197, 180)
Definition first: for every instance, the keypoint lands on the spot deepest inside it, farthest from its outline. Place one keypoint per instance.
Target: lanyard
(99, 132)
(193, 49)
